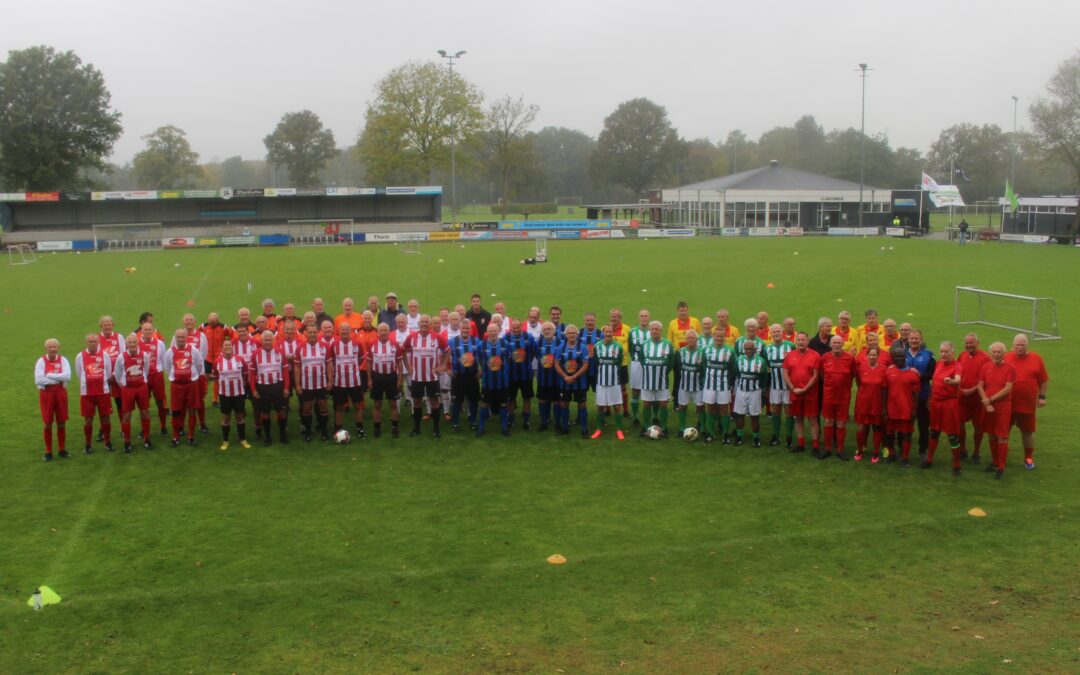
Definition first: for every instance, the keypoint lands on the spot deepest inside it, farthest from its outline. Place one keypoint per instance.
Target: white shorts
(747, 403)
(635, 375)
(713, 397)
(779, 396)
(648, 395)
(444, 381)
(688, 397)
(606, 396)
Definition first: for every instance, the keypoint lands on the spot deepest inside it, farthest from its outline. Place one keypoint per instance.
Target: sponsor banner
(946, 195)
(273, 240)
(309, 192)
(170, 194)
(594, 234)
(473, 235)
(905, 202)
(42, 196)
(359, 237)
(12, 196)
(348, 191)
(626, 223)
(509, 234)
(400, 190)
(895, 231)
(553, 224)
(73, 196)
(82, 245)
(567, 234)
(539, 234)
(853, 231)
(729, 232)
(679, 232)
(443, 236)
(765, 231)
(415, 190)
(246, 240)
(101, 196)
(381, 236)
(54, 246)
(244, 192)
(178, 242)
(795, 231)
(279, 192)
(402, 236)
(618, 234)
(1025, 238)
(201, 194)
(141, 194)
(208, 241)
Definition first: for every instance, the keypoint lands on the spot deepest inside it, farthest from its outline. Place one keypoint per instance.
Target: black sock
(393, 424)
(305, 422)
(417, 415)
(225, 432)
(436, 417)
(282, 425)
(241, 431)
(266, 428)
(322, 423)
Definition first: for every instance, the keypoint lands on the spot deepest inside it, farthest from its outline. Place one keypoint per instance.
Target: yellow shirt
(861, 332)
(851, 340)
(623, 338)
(732, 335)
(676, 333)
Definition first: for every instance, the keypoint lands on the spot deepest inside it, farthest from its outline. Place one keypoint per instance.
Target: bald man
(1029, 393)
(52, 372)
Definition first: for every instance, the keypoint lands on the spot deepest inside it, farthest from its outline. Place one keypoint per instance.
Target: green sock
(757, 436)
(635, 406)
(599, 418)
(708, 428)
(775, 426)
(703, 421)
(682, 418)
(663, 418)
(622, 420)
(790, 425)
(725, 424)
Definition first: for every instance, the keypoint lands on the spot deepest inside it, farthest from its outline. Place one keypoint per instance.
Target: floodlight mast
(450, 58)
(863, 68)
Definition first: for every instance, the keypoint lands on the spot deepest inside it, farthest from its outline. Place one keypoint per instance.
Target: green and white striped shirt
(638, 337)
(741, 341)
(657, 357)
(751, 371)
(691, 368)
(608, 359)
(718, 364)
(774, 354)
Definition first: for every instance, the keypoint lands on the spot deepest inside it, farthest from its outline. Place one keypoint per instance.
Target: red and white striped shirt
(111, 345)
(288, 348)
(156, 349)
(244, 350)
(424, 352)
(383, 357)
(230, 372)
(348, 358)
(314, 361)
(94, 371)
(268, 367)
(131, 371)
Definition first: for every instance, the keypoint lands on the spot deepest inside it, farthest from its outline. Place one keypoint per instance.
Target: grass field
(418, 555)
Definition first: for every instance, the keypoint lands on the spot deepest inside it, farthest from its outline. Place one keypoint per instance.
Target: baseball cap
(391, 294)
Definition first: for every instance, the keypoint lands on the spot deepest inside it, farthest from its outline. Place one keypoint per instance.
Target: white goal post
(21, 254)
(127, 237)
(321, 232)
(1021, 313)
(409, 243)
(541, 249)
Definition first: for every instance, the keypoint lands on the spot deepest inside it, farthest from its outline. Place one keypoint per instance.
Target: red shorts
(945, 416)
(184, 396)
(101, 403)
(132, 397)
(836, 410)
(971, 410)
(53, 401)
(156, 382)
(894, 426)
(997, 423)
(1026, 422)
(804, 405)
(873, 420)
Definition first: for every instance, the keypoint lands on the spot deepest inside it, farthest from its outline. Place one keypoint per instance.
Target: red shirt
(764, 334)
(801, 366)
(994, 377)
(869, 401)
(111, 345)
(887, 341)
(95, 371)
(132, 370)
(939, 391)
(1030, 374)
(970, 367)
(902, 385)
(837, 372)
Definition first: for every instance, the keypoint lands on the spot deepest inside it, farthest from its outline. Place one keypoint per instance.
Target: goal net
(541, 250)
(321, 232)
(21, 254)
(1020, 313)
(127, 236)
(409, 243)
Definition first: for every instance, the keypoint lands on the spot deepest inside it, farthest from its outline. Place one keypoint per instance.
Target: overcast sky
(226, 71)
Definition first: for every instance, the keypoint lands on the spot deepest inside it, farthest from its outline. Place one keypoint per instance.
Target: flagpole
(918, 225)
(952, 179)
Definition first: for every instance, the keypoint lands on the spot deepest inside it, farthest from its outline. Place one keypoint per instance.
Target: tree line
(57, 129)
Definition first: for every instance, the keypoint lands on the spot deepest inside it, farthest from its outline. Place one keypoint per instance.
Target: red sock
(830, 438)
(906, 445)
(879, 437)
(145, 429)
(860, 440)
(191, 425)
(47, 433)
(841, 436)
(1028, 453)
(815, 444)
(125, 431)
(202, 416)
(88, 431)
(61, 438)
(801, 440)
(177, 423)
(932, 449)
(1003, 451)
(106, 431)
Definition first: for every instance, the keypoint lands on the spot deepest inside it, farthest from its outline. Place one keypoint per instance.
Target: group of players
(486, 365)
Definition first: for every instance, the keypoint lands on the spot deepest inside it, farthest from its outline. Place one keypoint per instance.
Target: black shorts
(494, 398)
(547, 392)
(271, 397)
(310, 395)
(384, 385)
(523, 387)
(233, 404)
(425, 389)
(344, 395)
(579, 395)
(465, 387)
(624, 375)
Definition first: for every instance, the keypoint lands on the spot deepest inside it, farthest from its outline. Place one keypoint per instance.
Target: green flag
(1010, 196)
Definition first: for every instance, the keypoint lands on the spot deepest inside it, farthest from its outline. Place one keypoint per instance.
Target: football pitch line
(88, 507)
(207, 273)
(535, 565)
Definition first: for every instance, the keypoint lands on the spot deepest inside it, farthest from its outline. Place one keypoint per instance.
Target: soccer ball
(690, 434)
(654, 432)
(342, 437)
(177, 265)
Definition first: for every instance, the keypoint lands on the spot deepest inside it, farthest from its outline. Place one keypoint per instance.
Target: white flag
(928, 183)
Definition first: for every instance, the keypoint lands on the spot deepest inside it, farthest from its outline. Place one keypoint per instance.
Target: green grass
(422, 555)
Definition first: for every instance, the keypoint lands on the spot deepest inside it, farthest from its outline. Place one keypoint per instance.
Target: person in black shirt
(820, 342)
(389, 315)
(478, 315)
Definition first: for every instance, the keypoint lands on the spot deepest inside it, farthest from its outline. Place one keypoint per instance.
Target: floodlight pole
(1012, 169)
(862, 141)
(453, 141)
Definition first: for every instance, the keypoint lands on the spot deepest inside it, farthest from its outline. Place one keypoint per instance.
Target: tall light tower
(1012, 169)
(450, 58)
(863, 68)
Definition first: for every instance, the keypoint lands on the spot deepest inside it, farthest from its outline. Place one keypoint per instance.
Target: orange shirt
(355, 321)
(1030, 374)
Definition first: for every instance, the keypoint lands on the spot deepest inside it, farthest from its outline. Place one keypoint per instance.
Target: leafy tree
(55, 119)
(507, 139)
(562, 157)
(168, 161)
(238, 173)
(739, 153)
(303, 145)
(1057, 121)
(982, 152)
(418, 108)
(638, 147)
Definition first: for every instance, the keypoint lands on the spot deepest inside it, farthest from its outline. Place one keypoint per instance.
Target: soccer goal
(1021, 313)
(321, 232)
(410, 243)
(21, 254)
(541, 250)
(127, 237)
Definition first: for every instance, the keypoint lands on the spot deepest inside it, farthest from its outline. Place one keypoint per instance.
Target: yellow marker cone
(977, 512)
(48, 597)
(770, 285)
(556, 559)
